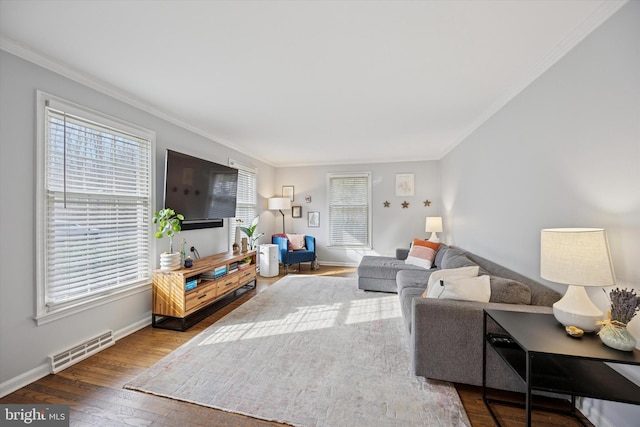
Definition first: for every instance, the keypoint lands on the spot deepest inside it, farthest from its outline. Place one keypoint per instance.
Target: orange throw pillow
(428, 244)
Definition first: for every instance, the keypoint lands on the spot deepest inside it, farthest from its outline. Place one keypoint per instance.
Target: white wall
(564, 153)
(393, 227)
(24, 347)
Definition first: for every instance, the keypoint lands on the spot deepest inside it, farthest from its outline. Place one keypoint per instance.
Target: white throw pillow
(421, 256)
(297, 241)
(464, 288)
(435, 277)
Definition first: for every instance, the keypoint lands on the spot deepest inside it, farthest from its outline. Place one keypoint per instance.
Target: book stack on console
(233, 267)
(244, 264)
(219, 271)
(209, 275)
(190, 284)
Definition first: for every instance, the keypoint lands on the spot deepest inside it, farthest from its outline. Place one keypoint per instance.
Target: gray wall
(392, 227)
(24, 347)
(564, 153)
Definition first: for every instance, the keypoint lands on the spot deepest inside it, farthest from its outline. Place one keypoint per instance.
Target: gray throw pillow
(439, 254)
(454, 258)
(509, 291)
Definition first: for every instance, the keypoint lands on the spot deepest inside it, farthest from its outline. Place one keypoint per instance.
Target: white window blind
(96, 207)
(349, 210)
(246, 199)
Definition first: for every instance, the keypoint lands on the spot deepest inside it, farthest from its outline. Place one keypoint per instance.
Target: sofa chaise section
(377, 273)
(446, 336)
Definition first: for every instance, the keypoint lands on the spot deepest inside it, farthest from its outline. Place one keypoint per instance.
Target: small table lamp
(576, 257)
(279, 203)
(433, 226)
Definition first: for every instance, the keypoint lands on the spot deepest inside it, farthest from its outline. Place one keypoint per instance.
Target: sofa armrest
(446, 341)
(283, 247)
(310, 243)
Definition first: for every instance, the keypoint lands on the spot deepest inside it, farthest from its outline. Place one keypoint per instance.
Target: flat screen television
(203, 191)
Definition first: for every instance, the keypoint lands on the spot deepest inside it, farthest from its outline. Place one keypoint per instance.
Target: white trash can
(269, 266)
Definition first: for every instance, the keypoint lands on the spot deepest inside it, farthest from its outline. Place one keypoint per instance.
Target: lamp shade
(576, 256)
(433, 224)
(279, 203)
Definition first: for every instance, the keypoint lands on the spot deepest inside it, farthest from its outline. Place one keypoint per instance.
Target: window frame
(233, 224)
(44, 312)
(369, 244)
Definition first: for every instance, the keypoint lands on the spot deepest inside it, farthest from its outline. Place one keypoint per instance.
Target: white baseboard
(41, 371)
(134, 327)
(338, 264)
(22, 380)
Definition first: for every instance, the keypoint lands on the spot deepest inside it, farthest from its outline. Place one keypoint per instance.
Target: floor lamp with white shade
(278, 204)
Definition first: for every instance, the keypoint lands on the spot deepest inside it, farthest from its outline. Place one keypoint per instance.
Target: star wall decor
(405, 204)
(427, 203)
(386, 204)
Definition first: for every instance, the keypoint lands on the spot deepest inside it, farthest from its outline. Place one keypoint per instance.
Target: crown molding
(600, 15)
(597, 18)
(37, 58)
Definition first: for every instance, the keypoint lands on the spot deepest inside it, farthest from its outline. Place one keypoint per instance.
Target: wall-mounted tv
(203, 191)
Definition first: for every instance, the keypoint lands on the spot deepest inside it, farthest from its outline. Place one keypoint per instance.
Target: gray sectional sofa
(445, 336)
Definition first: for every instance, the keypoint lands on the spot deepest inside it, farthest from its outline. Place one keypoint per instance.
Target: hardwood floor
(93, 388)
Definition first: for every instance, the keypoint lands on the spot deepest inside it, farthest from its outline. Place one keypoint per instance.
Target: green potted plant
(251, 232)
(168, 224)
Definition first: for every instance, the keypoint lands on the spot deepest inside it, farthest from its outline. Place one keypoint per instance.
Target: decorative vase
(617, 337)
(170, 261)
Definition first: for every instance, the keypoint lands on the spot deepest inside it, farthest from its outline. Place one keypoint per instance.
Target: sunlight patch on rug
(309, 318)
(304, 319)
(369, 310)
(308, 351)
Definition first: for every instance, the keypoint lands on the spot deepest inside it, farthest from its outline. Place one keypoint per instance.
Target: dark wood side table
(539, 350)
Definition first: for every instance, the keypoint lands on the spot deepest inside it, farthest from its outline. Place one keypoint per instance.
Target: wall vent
(69, 357)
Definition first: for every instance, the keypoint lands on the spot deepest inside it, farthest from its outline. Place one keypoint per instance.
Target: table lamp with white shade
(433, 225)
(278, 204)
(577, 257)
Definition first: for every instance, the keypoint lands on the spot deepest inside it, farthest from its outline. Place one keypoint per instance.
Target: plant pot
(170, 261)
(617, 337)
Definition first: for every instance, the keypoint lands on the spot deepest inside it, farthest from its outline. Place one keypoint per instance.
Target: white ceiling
(308, 82)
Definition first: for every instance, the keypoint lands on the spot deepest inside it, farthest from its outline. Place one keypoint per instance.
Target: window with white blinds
(246, 199)
(95, 206)
(349, 210)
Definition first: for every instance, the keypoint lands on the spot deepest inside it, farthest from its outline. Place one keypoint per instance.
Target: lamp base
(576, 309)
(434, 238)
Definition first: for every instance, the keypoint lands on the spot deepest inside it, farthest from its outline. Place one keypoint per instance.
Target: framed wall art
(405, 184)
(296, 211)
(287, 191)
(313, 219)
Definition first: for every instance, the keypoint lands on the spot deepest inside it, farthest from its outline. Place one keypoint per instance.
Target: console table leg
(484, 358)
(528, 397)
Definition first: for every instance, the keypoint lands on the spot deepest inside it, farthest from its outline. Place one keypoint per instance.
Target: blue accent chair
(287, 257)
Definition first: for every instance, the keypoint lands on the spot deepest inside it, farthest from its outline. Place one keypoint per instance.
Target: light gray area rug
(308, 351)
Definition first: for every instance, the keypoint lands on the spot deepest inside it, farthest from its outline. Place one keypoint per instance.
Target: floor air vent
(80, 352)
